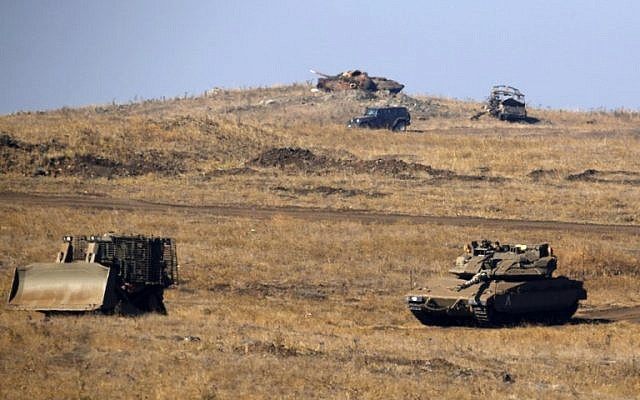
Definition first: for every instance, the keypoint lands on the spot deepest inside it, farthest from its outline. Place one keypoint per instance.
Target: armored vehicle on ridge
(394, 118)
(505, 103)
(356, 79)
(495, 284)
(108, 273)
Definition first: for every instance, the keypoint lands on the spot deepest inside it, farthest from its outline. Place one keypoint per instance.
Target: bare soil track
(631, 314)
(260, 212)
(263, 212)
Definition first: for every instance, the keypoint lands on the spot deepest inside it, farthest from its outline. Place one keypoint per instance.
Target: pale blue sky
(563, 54)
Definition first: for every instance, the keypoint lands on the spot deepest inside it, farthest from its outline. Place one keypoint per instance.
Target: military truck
(108, 273)
(494, 284)
(505, 103)
(394, 118)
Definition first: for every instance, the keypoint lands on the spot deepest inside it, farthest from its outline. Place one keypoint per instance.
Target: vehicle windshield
(371, 111)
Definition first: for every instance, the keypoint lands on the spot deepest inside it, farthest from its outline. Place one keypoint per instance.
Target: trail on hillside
(265, 212)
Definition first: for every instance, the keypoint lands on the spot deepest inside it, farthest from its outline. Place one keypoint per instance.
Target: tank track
(482, 315)
(486, 316)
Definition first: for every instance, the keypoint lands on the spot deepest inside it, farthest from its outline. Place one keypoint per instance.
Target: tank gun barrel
(319, 73)
(481, 276)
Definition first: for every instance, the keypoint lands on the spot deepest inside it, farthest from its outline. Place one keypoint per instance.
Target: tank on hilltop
(494, 284)
(356, 79)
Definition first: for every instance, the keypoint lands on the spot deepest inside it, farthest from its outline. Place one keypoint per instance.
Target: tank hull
(552, 300)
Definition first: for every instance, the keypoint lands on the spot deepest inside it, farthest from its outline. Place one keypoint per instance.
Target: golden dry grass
(285, 309)
(288, 308)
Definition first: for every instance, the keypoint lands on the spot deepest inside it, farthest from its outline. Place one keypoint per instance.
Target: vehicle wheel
(400, 126)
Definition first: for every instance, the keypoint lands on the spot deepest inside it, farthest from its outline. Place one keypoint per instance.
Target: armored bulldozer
(505, 103)
(108, 273)
(494, 284)
(356, 79)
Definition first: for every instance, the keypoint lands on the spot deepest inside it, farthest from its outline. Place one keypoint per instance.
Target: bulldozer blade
(78, 286)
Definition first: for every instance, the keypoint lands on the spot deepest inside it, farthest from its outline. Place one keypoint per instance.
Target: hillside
(215, 145)
(298, 239)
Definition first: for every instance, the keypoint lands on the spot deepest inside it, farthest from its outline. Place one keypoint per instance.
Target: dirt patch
(631, 314)
(396, 167)
(328, 191)
(593, 175)
(8, 142)
(38, 160)
(291, 156)
(93, 166)
(304, 160)
(307, 161)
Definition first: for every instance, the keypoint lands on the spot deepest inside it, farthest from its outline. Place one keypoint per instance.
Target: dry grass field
(288, 307)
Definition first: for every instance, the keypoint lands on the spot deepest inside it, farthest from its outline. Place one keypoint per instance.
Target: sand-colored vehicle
(494, 284)
(108, 273)
(356, 79)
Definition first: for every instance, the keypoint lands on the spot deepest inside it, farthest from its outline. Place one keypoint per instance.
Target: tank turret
(519, 262)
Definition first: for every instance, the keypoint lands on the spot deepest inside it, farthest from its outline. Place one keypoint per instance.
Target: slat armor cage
(138, 259)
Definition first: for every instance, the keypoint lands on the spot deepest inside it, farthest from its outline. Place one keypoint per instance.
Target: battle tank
(356, 79)
(108, 273)
(494, 284)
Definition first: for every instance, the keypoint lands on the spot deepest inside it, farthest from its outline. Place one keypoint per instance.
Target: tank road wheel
(481, 314)
(400, 126)
(486, 316)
